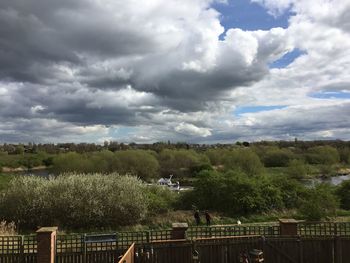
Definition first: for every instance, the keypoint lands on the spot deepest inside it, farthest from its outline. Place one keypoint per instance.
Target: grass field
(5, 180)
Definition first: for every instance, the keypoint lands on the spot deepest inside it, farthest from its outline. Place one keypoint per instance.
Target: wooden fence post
(179, 230)
(46, 238)
(22, 258)
(288, 227)
(338, 250)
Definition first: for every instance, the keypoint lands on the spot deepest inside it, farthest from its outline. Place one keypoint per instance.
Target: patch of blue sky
(122, 131)
(330, 95)
(250, 16)
(254, 109)
(287, 59)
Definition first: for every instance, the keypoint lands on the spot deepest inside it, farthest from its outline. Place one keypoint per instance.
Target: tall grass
(7, 228)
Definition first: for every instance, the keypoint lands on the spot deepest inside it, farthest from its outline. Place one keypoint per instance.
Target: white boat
(167, 182)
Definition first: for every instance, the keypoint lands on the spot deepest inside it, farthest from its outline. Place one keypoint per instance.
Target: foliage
(200, 167)
(216, 156)
(326, 155)
(297, 169)
(141, 163)
(74, 200)
(276, 157)
(290, 189)
(7, 228)
(160, 199)
(244, 160)
(343, 192)
(137, 162)
(344, 154)
(5, 180)
(28, 160)
(180, 162)
(235, 193)
(318, 203)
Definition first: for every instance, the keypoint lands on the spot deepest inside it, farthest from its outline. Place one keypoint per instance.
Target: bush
(326, 155)
(160, 199)
(138, 162)
(74, 201)
(216, 156)
(297, 169)
(7, 228)
(234, 193)
(244, 160)
(278, 157)
(291, 190)
(319, 203)
(180, 162)
(343, 192)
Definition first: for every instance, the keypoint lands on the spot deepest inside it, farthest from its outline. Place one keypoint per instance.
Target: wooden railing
(129, 256)
(73, 248)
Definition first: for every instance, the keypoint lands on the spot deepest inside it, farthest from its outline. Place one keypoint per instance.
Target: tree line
(254, 160)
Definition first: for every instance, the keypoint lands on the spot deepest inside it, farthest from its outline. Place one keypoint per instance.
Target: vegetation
(5, 181)
(235, 194)
(343, 192)
(319, 202)
(79, 200)
(7, 228)
(256, 180)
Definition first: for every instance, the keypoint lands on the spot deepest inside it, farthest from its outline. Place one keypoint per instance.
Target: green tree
(216, 156)
(244, 160)
(319, 203)
(276, 157)
(19, 149)
(297, 169)
(343, 192)
(326, 155)
(180, 162)
(139, 162)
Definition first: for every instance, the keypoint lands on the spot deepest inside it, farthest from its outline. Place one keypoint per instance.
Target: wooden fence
(14, 249)
(72, 248)
(129, 256)
(229, 250)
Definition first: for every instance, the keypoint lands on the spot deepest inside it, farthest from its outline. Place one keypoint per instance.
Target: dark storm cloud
(113, 62)
(37, 35)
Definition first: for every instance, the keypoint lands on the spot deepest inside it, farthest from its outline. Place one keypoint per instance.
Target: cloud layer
(85, 70)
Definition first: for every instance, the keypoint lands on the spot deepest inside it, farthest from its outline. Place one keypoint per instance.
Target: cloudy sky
(181, 70)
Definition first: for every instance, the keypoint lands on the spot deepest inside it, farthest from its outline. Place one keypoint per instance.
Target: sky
(200, 71)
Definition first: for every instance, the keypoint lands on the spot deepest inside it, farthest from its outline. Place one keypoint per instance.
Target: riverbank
(22, 169)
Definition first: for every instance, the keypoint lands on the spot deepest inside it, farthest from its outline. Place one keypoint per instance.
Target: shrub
(74, 201)
(278, 157)
(343, 192)
(138, 162)
(327, 155)
(319, 203)
(7, 228)
(297, 169)
(160, 199)
(234, 193)
(244, 160)
(180, 162)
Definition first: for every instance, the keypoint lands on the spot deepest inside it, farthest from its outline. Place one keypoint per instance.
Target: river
(335, 180)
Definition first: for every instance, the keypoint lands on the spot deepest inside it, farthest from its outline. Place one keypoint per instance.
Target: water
(41, 173)
(336, 180)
